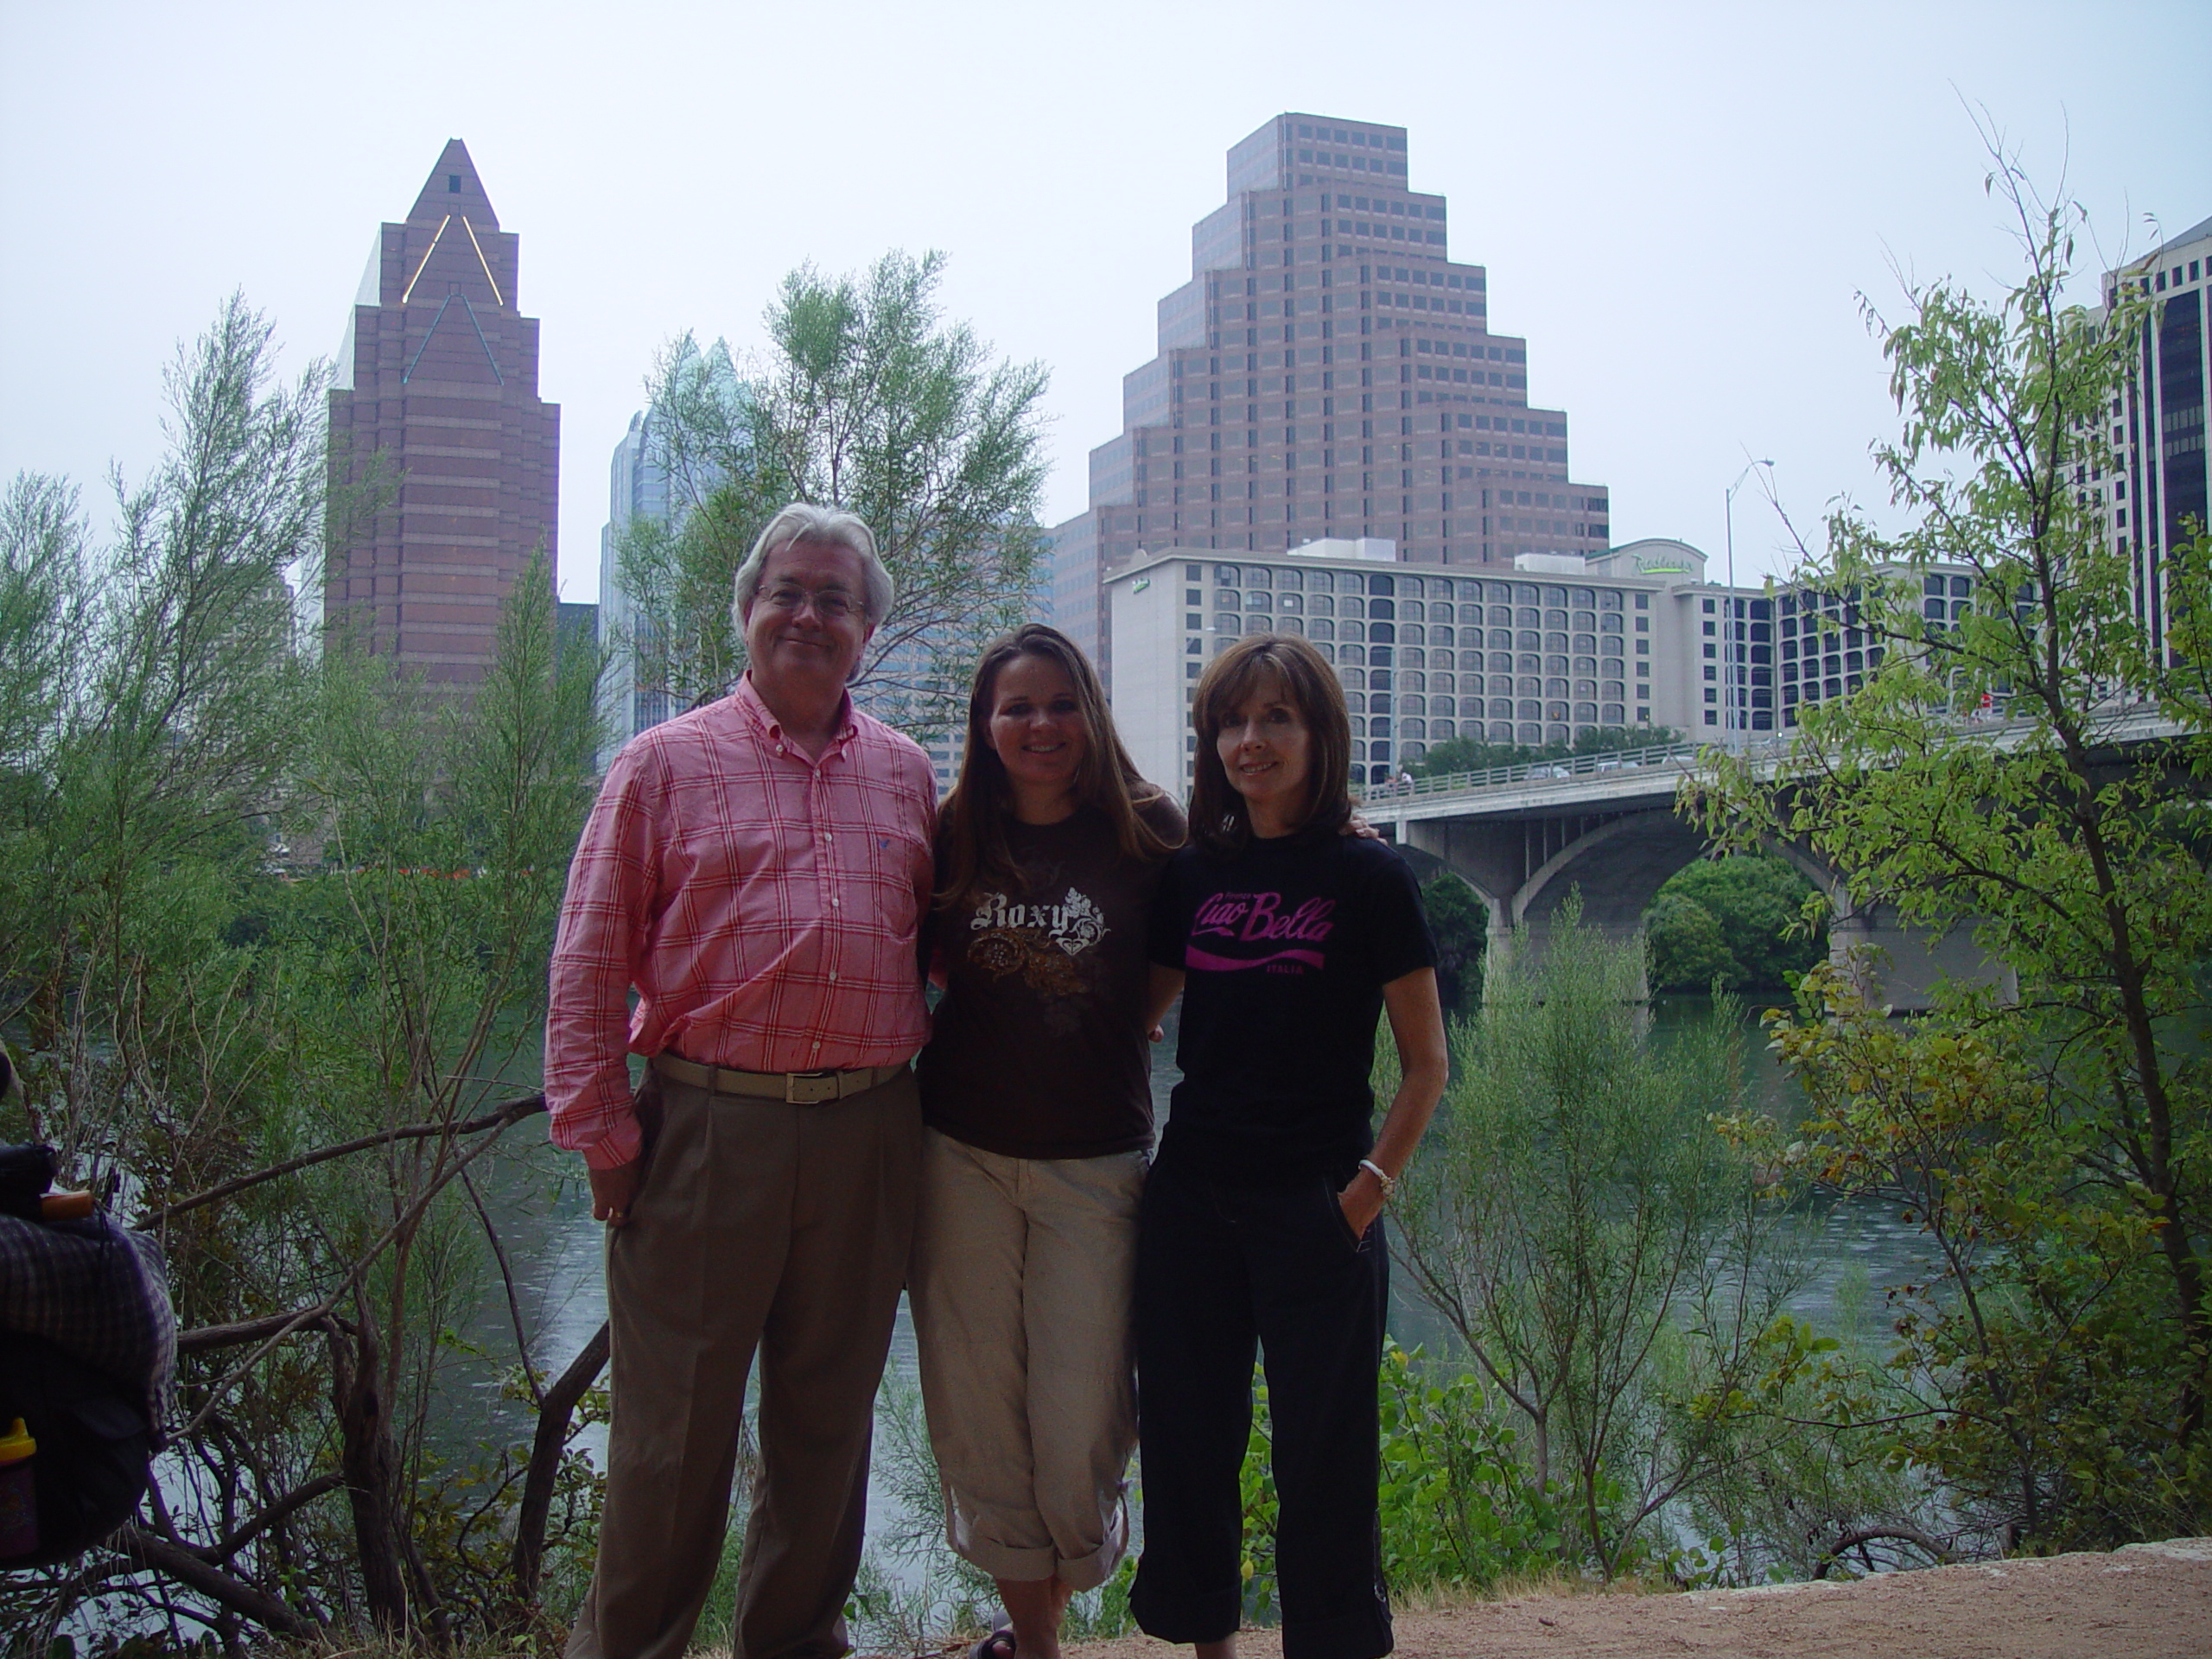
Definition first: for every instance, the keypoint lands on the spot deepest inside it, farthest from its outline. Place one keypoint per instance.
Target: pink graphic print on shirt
(1249, 918)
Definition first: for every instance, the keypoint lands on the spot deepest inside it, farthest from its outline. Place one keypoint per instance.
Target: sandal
(999, 1644)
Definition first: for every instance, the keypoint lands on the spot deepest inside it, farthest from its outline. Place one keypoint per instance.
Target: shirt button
(818, 1048)
(836, 903)
(833, 979)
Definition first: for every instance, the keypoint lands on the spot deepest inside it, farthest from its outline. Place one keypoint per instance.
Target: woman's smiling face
(1037, 731)
(1265, 748)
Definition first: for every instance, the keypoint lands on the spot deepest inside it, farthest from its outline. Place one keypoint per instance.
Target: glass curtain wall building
(637, 488)
(2160, 487)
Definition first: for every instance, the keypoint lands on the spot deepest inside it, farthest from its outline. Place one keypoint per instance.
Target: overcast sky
(1679, 206)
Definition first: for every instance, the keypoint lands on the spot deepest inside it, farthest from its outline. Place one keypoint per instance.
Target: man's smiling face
(808, 622)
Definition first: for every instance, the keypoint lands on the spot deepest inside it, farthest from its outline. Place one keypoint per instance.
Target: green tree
(1602, 1252)
(867, 400)
(1739, 921)
(279, 1069)
(2070, 1341)
(1473, 754)
(1460, 927)
(43, 601)
(1688, 951)
(150, 741)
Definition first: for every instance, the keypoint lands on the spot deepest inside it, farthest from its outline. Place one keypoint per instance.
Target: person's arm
(611, 881)
(1161, 990)
(1424, 1062)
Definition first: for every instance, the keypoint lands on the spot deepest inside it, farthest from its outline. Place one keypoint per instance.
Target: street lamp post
(1731, 658)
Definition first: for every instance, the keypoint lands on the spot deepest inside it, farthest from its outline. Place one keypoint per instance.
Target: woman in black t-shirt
(1262, 1227)
(1036, 1094)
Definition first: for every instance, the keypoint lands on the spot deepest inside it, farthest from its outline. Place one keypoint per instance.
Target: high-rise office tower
(435, 415)
(2162, 484)
(631, 699)
(1327, 371)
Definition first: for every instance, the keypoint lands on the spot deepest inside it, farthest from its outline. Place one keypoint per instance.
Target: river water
(1850, 1252)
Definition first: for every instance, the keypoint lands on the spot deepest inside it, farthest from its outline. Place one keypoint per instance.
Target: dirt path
(2149, 1601)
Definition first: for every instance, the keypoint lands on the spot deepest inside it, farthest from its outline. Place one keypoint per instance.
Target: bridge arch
(1523, 867)
(1617, 867)
(1617, 861)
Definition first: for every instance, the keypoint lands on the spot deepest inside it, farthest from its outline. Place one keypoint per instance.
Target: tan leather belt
(794, 1088)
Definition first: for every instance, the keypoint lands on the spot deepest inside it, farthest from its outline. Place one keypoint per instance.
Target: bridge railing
(2120, 724)
(1679, 756)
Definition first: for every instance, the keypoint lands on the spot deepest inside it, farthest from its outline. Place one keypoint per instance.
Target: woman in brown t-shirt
(1035, 1090)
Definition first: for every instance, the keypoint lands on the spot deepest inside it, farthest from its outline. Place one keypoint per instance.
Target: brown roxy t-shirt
(1037, 1051)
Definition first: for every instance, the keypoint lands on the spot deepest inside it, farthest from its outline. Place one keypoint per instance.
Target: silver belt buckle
(808, 1088)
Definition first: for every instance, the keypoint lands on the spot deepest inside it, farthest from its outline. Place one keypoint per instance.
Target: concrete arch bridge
(1524, 837)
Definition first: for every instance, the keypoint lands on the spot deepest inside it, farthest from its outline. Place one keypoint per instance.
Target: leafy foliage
(1738, 922)
(2034, 1371)
(1604, 1254)
(1460, 925)
(1810, 1482)
(1473, 754)
(2059, 1149)
(1459, 1505)
(868, 399)
(286, 901)
(1458, 1508)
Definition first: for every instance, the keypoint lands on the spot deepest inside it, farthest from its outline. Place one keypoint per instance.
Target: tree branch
(1899, 1531)
(553, 1413)
(512, 1113)
(176, 1561)
(208, 1338)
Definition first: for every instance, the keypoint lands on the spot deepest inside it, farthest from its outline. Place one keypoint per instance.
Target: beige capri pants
(1023, 1275)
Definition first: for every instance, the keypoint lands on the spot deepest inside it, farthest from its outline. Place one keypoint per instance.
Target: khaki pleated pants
(764, 1226)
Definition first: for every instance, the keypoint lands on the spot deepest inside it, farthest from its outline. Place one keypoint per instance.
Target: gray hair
(825, 527)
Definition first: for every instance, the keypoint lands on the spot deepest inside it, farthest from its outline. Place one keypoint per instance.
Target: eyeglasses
(831, 604)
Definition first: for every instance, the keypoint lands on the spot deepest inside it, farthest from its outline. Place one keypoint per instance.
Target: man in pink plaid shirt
(756, 871)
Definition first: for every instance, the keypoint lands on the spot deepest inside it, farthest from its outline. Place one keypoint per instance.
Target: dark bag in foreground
(88, 1348)
(94, 1443)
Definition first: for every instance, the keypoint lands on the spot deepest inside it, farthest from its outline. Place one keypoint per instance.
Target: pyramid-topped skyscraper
(1328, 371)
(436, 409)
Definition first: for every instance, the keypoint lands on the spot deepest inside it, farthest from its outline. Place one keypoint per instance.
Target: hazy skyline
(1677, 209)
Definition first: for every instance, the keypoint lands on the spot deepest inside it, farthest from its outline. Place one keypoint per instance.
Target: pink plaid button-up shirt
(764, 904)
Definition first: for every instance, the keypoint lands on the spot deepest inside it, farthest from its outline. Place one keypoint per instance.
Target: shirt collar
(757, 713)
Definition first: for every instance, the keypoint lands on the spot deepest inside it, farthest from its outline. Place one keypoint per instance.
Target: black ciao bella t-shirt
(1286, 948)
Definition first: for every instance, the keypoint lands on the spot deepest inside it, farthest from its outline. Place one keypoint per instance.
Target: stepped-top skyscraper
(1327, 371)
(436, 408)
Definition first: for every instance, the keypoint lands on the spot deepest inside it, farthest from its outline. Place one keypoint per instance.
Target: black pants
(1221, 1269)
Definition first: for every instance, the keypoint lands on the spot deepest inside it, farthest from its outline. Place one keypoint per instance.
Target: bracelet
(1390, 1181)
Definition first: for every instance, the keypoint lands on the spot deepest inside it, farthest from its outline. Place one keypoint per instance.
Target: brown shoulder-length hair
(1220, 819)
(971, 822)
